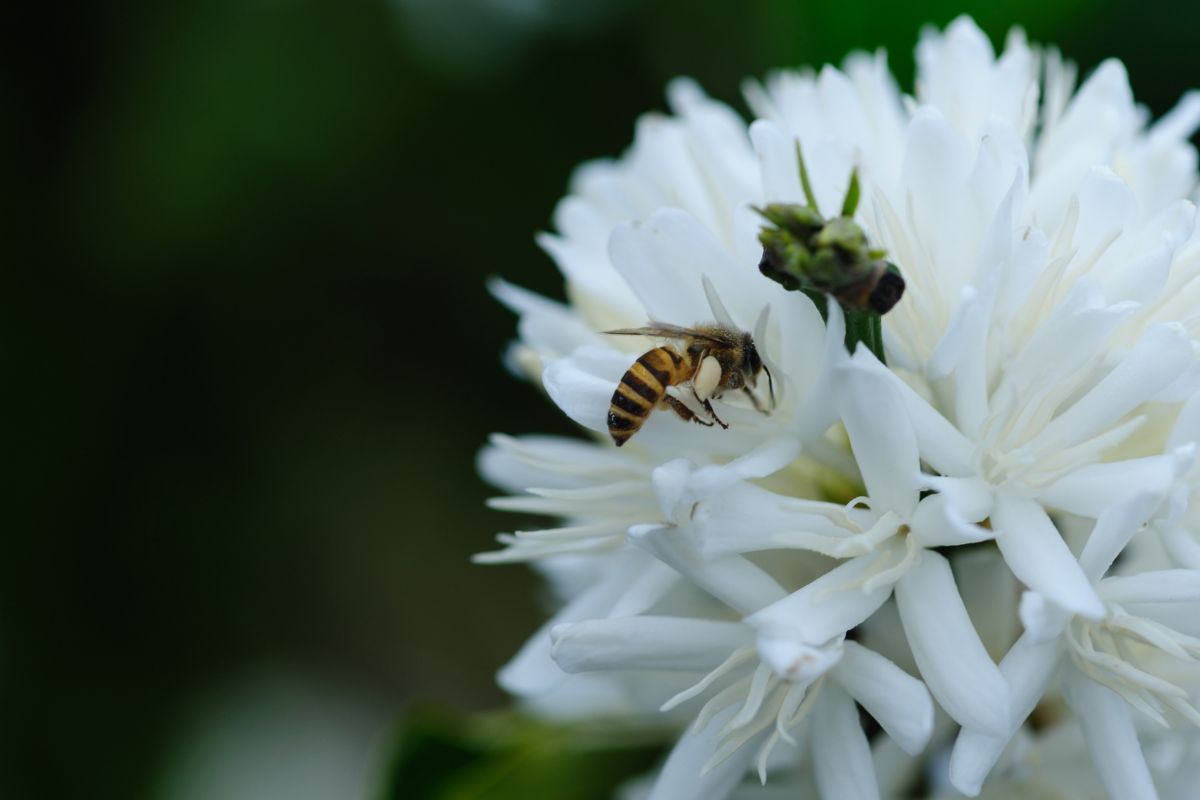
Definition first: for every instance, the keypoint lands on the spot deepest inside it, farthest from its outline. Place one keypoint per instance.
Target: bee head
(753, 364)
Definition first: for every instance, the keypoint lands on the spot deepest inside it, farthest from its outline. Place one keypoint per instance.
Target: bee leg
(758, 406)
(708, 407)
(683, 411)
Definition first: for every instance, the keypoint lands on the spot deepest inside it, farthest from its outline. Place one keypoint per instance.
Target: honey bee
(713, 358)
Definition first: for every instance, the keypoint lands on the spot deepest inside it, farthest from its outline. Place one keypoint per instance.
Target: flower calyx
(803, 251)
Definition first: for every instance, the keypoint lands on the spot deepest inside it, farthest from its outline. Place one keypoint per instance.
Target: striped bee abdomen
(642, 388)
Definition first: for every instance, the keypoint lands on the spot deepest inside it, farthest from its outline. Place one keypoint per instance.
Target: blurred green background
(250, 357)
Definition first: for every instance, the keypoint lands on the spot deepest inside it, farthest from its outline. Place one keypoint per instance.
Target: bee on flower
(971, 503)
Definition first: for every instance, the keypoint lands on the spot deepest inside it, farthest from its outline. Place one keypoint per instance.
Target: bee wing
(665, 330)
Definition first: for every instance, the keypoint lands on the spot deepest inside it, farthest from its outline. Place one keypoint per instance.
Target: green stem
(861, 326)
(866, 327)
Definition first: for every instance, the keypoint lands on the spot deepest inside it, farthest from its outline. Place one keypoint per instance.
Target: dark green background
(248, 354)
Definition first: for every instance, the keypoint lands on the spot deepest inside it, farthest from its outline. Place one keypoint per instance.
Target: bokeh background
(250, 357)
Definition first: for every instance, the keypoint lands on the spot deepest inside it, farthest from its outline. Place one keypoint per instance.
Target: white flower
(1029, 330)
(1039, 393)
(1108, 666)
(796, 689)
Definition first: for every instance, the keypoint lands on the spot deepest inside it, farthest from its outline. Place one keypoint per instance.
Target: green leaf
(809, 196)
(850, 204)
(440, 755)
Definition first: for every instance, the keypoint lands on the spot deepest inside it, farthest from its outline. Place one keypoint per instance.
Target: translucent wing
(665, 330)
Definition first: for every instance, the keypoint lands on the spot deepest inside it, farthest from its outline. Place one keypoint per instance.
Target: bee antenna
(770, 385)
(720, 313)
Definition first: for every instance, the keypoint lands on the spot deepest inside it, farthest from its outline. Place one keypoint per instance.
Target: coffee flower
(1032, 399)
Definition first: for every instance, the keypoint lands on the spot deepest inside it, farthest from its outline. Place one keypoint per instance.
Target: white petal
(1088, 491)
(841, 755)
(897, 701)
(881, 436)
(646, 642)
(1181, 545)
(1186, 429)
(937, 522)
(952, 660)
(776, 152)
(798, 661)
(732, 579)
(585, 264)
(817, 408)
(683, 774)
(1111, 738)
(941, 444)
(1161, 355)
(583, 383)
(1038, 556)
(989, 591)
(1113, 531)
(1028, 668)
(824, 608)
(1042, 619)
(645, 590)
(532, 671)
(680, 484)
(663, 259)
(1158, 586)
(937, 164)
(550, 327)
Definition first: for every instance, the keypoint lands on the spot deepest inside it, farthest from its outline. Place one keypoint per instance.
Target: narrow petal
(941, 444)
(1113, 531)
(1028, 669)
(817, 407)
(1158, 586)
(1090, 490)
(1186, 429)
(1159, 357)
(583, 383)
(990, 593)
(552, 328)
(824, 608)
(1111, 738)
(1038, 556)
(898, 701)
(647, 642)
(518, 463)
(1042, 620)
(841, 754)
(881, 436)
(796, 660)
(952, 659)
(679, 484)
(684, 776)
(732, 579)
(937, 522)
(531, 671)
(663, 258)
(1181, 545)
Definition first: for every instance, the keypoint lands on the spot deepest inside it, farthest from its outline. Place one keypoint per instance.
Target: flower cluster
(990, 541)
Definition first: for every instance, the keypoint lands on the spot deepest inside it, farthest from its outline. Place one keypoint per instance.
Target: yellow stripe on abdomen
(641, 389)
